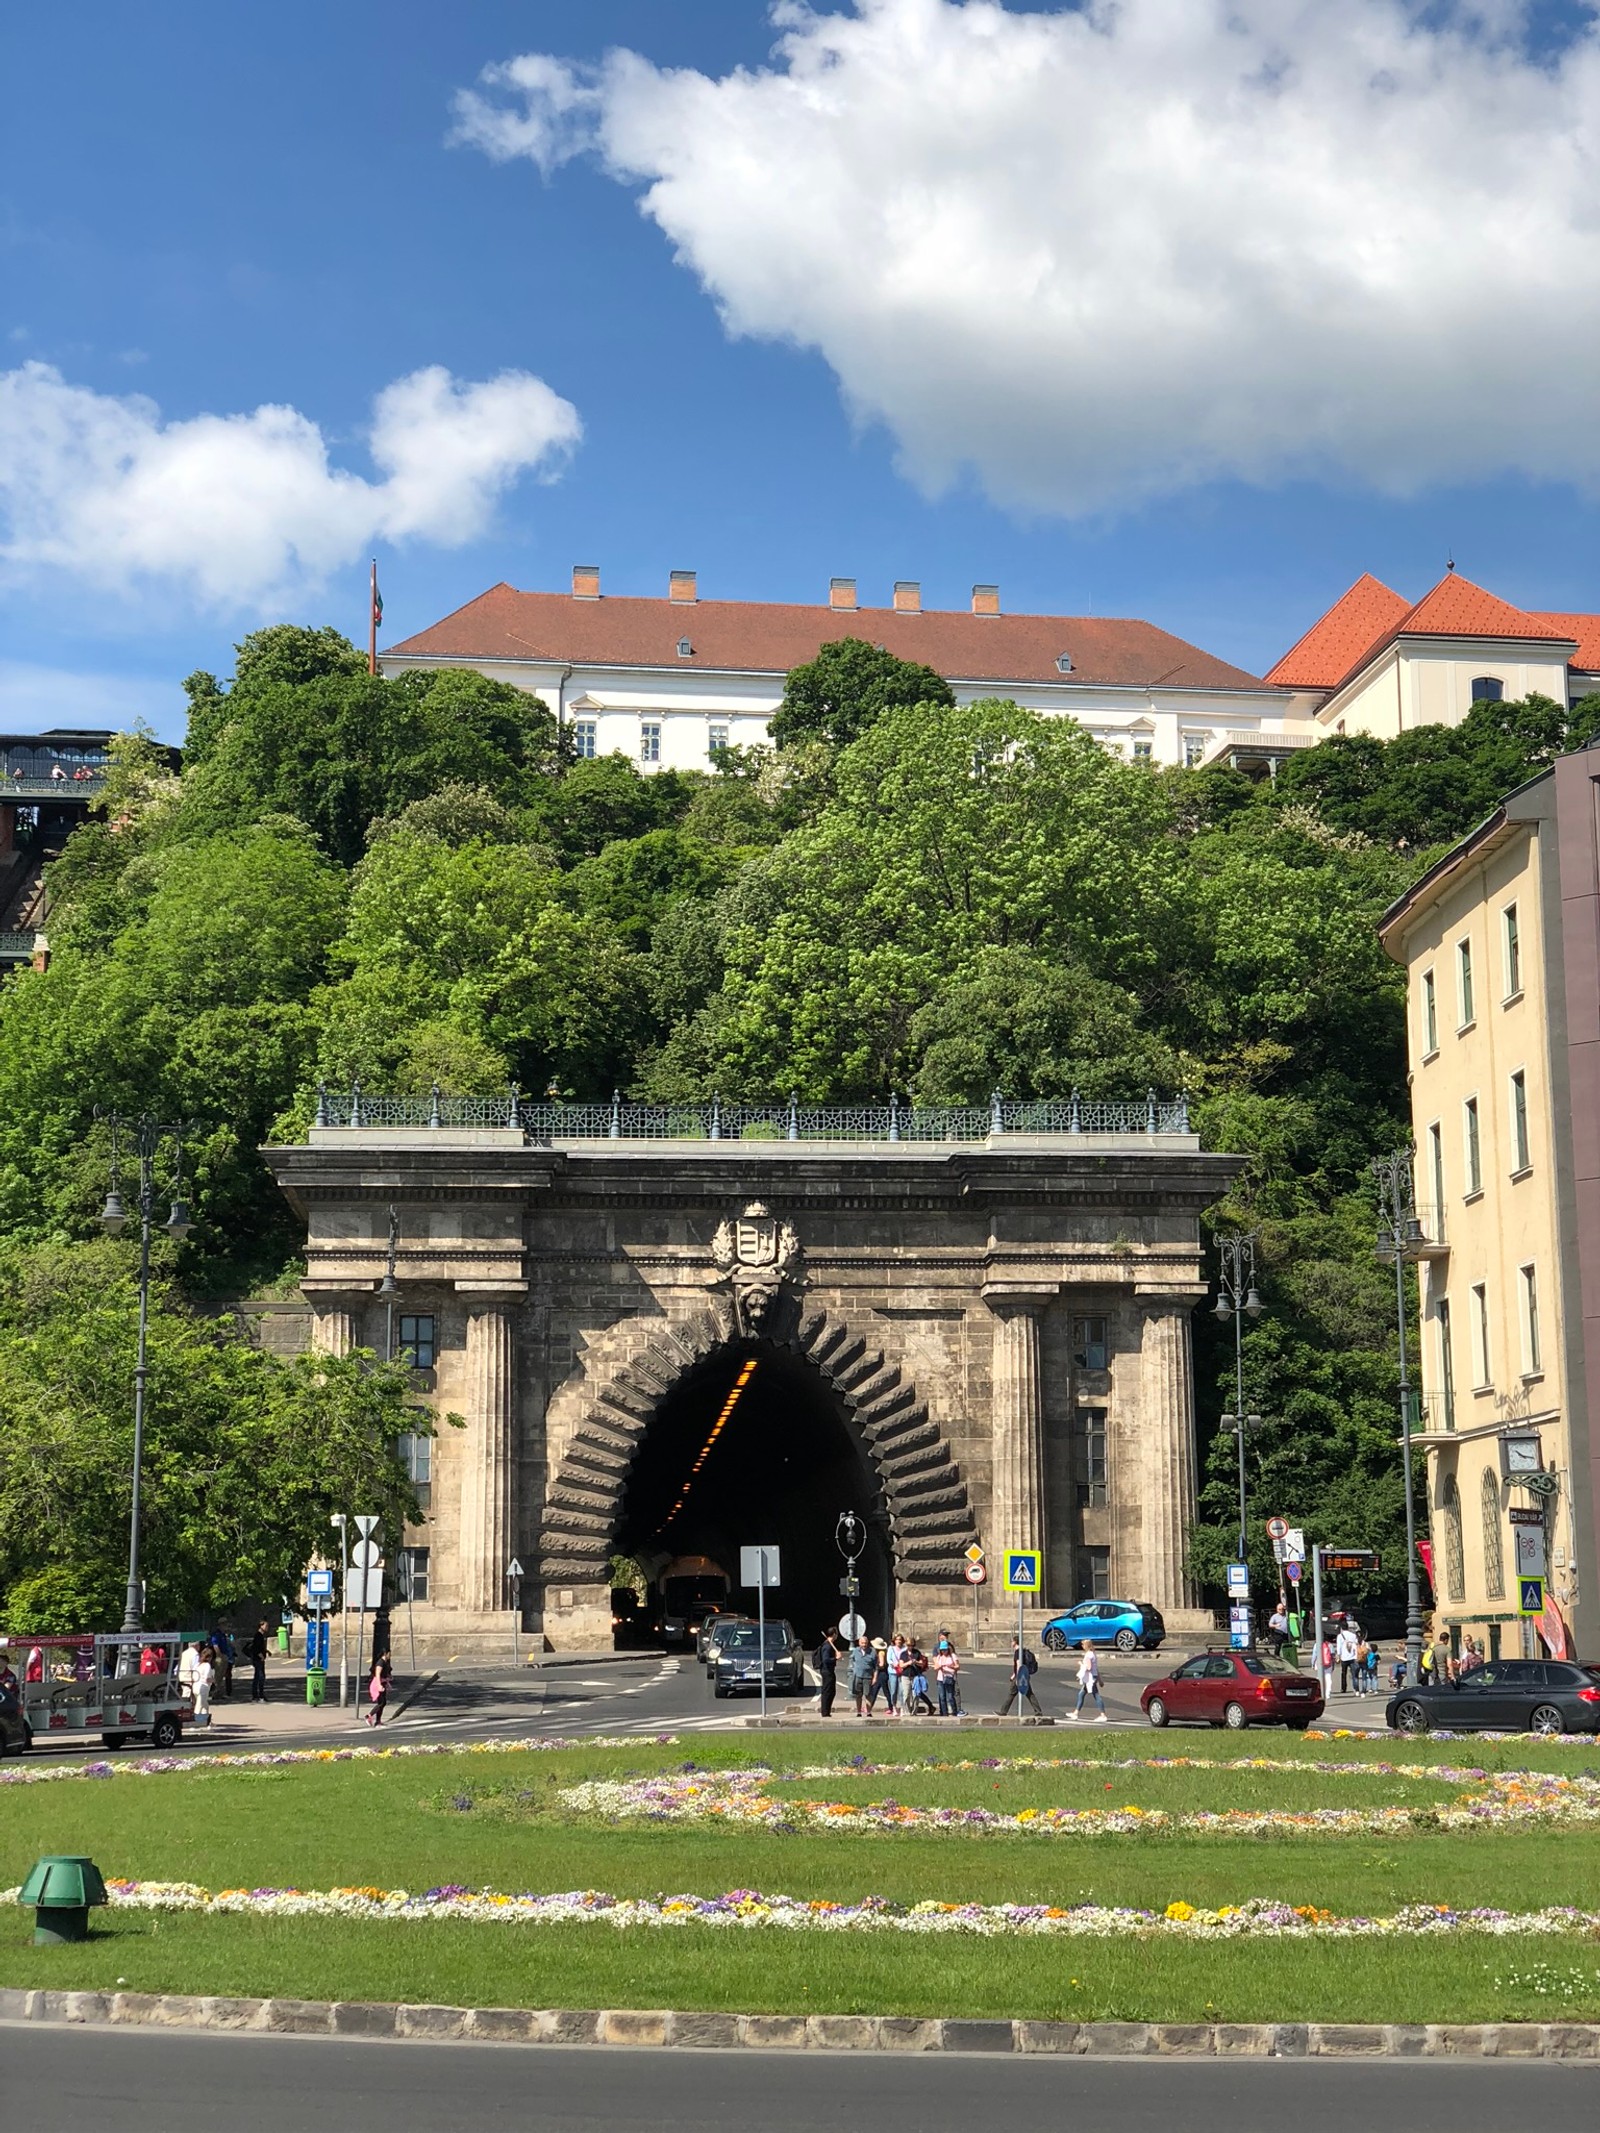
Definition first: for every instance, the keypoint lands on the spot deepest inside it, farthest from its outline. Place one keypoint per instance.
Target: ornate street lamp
(147, 1136)
(1401, 1238)
(1239, 1299)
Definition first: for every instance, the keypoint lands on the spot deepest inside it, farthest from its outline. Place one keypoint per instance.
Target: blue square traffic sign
(1022, 1570)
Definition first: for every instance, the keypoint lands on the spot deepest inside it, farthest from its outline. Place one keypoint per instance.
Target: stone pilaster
(487, 1459)
(1163, 1483)
(332, 1332)
(1016, 1518)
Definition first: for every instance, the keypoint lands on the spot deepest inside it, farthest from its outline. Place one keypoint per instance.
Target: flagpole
(372, 622)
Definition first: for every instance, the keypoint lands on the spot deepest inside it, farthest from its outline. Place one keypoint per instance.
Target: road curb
(654, 2028)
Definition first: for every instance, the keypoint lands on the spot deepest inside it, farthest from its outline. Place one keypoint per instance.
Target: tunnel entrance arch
(819, 1423)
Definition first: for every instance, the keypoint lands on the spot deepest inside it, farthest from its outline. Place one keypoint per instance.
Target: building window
(416, 1456)
(1494, 1560)
(1094, 1574)
(1464, 984)
(1519, 1122)
(1513, 947)
(1488, 689)
(414, 1574)
(1090, 1423)
(1430, 1015)
(685, 648)
(585, 734)
(416, 1340)
(1064, 663)
(1447, 1365)
(1090, 1349)
(1455, 1569)
(1532, 1347)
(1436, 1171)
(1194, 748)
(1143, 751)
(1481, 1377)
(716, 740)
(650, 741)
(1472, 1146)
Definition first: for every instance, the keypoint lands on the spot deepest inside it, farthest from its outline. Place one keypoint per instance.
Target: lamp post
(389, 1288)
(1401, 1238)
(1239, 1299)
(146, 1134)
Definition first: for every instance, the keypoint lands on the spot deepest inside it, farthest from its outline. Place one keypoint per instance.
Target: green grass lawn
(395, 1824)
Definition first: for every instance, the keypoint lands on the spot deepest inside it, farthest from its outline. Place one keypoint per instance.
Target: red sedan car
(1234, 1689)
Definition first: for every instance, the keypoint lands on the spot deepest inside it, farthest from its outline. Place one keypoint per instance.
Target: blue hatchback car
(1129, 1625)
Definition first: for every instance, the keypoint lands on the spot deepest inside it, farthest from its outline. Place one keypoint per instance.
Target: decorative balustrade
(719, 1121)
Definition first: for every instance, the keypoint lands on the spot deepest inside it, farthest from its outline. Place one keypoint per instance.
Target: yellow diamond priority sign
(974, 1553)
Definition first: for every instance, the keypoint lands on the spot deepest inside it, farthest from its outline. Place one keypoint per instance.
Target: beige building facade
(671, 1348)
(1502, 958)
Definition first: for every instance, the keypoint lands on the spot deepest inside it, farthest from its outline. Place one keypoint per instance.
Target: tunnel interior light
(747, 1372)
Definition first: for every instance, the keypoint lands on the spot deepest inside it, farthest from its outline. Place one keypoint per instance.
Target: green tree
(847, 688)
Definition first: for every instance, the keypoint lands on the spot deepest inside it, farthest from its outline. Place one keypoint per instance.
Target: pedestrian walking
(204, 1676)
(1089, 1685)
(863, 1665)
(188, 1666)
(255, 1651)
(1278, 1627)
(1023, 1668)
(946, 1668)
(826, 1661)
(377, 1692)
(1345, 1647)
(895, 1659)
(882, 1682)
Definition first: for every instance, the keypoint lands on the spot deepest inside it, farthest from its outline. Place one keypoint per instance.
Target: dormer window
(685, 648)
(1488, 689)
(1064, 663)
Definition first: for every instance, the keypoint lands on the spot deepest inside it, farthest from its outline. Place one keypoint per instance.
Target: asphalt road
(61, 2080)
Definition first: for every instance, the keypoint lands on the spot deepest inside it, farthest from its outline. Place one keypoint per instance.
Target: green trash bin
(283, 1640)
(316, 1684)
(62, 1887)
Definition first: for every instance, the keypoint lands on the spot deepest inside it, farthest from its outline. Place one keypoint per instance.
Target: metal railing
(719, 1121)
(48, 788)
(17, 947)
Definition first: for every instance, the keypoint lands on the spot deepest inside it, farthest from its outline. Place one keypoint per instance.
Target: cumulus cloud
(242, 512)
(1112, 251)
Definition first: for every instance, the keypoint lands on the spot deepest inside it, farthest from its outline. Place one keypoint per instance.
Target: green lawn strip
(774, 1971)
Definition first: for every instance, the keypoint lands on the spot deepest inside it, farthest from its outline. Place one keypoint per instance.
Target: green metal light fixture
(62, 1890)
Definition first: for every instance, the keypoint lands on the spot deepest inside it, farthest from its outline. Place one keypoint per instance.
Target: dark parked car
(1129, 1625)
(16, 1735)
(1234, 1689)
(742, 1659)
(1505, 1696)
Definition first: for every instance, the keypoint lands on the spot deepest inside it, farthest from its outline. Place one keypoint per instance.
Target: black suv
(1504, 1696)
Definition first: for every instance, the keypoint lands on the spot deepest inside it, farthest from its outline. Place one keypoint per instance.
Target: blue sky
(225, 209)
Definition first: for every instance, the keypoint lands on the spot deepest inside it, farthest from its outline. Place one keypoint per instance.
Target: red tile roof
(1336, 645)
(1371, 615)
(763, 637)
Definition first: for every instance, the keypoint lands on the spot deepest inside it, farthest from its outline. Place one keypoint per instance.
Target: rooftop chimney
(680, 585)
(907, 597)
(841, 592)
(585, 581)
(986, 599)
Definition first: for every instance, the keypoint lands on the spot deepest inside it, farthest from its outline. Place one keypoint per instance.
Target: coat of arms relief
(755, 1254)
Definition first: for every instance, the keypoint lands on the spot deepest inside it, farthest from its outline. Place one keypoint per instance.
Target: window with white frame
(1481, 1375)
(1520, 1160)
(585, 739)
(1447, 1364)
(1143, 751)
(416, 1456)
(1194, 749)
(1464, 1000)
(1472, 1146)
(1532, 1347)
(650, 741)
(1512, 942)
(1436, 1171)
(1430, 1015)
(716, 739)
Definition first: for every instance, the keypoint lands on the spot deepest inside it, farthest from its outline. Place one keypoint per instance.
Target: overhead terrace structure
(48, 783)
(675, 1331)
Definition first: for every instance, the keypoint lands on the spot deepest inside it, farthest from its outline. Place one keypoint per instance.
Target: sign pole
(761, 1617)
(1316, 1614)
(1019, 1654)
(344, 1613)
(974, 1619)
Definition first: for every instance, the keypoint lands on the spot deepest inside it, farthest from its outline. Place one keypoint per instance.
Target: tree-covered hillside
(404, 880)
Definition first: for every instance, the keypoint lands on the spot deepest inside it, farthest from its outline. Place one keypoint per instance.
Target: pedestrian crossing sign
(1530, 1596)
(1022, 1570)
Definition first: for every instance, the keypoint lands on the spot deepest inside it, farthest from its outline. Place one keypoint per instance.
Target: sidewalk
(241, 1726)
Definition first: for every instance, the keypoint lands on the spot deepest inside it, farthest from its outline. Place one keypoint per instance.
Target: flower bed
(1259, 1918)
(740, 1797)
(263, 1759)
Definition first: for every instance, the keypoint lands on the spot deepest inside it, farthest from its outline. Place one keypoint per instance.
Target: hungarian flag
(377, 600)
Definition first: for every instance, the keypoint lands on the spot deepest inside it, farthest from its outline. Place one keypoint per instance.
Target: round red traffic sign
(976, 1574)
(1277, 1528)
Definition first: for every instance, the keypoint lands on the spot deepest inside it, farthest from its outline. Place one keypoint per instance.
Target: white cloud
(242, 512)
(1105, 253)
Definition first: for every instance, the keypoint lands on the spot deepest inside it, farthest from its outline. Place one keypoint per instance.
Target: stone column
(1016, 1518)
(332, 1332)
(487, 1458)
(1163, 1483)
